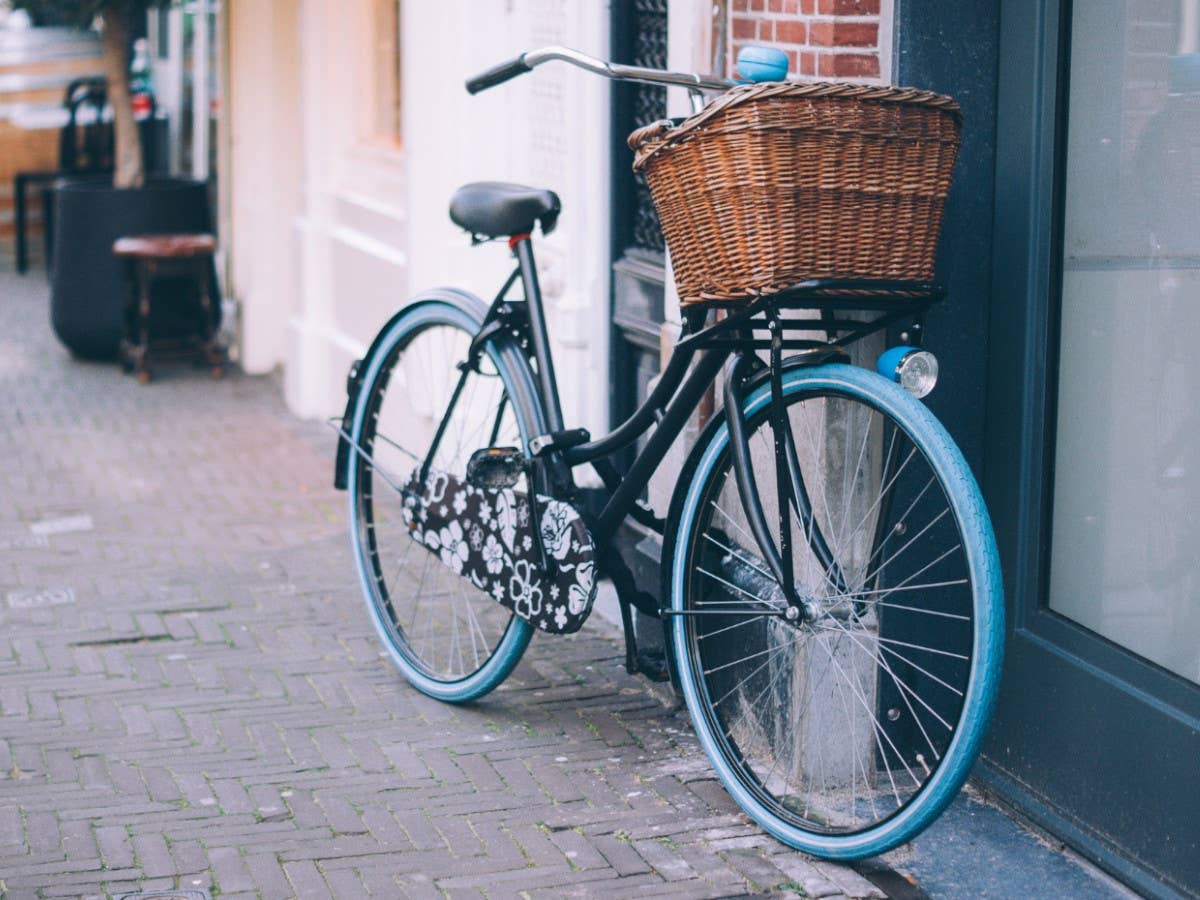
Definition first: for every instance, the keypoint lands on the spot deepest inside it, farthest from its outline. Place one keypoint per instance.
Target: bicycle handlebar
(498, 74)
(616, 71)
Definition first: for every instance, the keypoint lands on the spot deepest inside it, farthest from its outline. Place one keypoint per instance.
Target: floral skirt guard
(487, 536)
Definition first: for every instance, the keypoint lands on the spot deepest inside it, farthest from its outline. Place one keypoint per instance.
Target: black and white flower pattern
(506, 515)
(450, 544)
(493, 555)
(490, 537)
(556, 530)
(525, 591)
(583, 591)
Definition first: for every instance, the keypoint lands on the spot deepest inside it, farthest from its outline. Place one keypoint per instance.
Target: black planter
(88, 286)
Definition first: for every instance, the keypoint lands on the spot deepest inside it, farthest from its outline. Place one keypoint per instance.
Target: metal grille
(649, 105)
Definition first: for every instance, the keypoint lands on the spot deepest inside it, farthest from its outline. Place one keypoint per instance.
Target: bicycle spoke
(738, 555)
(901, 684)
(925, 649)
(729, 584)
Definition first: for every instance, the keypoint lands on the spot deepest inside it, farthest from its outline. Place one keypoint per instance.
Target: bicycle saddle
(490, 209)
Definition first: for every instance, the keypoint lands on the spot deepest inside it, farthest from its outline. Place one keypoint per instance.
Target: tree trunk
(130, 172)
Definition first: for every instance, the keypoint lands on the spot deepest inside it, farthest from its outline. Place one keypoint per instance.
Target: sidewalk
(191, 696)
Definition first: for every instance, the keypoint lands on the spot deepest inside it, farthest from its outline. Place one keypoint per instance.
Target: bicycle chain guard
(487, 535)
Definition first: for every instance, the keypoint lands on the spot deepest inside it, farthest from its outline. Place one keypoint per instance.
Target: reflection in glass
(1126, 528)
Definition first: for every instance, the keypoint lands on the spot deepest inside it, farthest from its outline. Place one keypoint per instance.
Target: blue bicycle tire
(463, 313)
(752, 785)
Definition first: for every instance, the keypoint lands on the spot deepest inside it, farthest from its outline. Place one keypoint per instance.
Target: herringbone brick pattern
(191, 695)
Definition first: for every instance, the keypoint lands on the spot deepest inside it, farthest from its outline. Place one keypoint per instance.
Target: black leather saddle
(490, 209)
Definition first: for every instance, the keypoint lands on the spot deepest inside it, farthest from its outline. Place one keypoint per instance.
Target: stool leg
(125, 347)
(146, 272)
(210, 349)
(19, 221)
(48, 196)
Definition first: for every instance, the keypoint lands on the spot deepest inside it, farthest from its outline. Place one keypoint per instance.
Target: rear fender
(501, 344)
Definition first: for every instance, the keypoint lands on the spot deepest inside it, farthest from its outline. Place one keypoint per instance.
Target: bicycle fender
(342, 460)
(465, 301)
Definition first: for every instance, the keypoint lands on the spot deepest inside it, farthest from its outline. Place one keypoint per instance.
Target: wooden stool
(154, 256)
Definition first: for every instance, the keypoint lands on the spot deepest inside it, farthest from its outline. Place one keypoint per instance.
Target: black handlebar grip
(498, 74)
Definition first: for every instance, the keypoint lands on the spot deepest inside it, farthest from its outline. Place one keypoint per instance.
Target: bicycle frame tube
(642, 418)
(537, 332)
(675, 416)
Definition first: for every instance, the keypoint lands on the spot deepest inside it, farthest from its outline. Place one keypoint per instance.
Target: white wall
(333, 231)
(263, 125)
(546, 129)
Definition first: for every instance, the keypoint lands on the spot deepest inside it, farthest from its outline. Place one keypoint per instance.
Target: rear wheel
(449, 639)
(845, 732)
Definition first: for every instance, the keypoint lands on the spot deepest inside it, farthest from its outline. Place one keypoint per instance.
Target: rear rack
(893, 301)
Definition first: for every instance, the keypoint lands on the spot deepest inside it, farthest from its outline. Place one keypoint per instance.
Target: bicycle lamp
(757, 64)
(913, 369)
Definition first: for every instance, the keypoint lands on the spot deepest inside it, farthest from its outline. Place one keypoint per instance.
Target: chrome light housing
(913, 369)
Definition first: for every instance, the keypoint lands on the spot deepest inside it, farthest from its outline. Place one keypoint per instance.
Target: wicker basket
(772, 184)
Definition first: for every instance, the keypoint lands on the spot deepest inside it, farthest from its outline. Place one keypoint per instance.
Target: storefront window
(1126, 522)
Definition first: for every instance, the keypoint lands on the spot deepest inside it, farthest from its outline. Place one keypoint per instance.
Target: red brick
(793, 63)
(856, 34)
(844, 34)
(849, 7)
(743, 28)
(741, 5)
(766, 30)
(791, 31)
(758, 5)
(808, 64)
(808, 7)
(848, 65)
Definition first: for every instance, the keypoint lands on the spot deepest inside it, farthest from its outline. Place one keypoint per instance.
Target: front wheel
(846, 731)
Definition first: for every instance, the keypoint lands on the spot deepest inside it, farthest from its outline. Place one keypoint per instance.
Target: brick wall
(825, 39)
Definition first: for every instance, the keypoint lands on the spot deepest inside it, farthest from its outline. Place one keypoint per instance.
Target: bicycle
(839, 668)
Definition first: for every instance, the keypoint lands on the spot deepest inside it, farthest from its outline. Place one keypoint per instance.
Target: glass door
(1094, 428)
(1126, 524)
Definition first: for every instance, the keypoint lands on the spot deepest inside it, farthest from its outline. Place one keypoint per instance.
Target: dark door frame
(1098, 745)
(638, 36)
(638, 33)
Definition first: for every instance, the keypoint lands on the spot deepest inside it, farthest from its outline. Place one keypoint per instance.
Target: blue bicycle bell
(913, 369)
(755, 64)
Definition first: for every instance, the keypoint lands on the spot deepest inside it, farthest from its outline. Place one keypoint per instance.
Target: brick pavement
(191, 695)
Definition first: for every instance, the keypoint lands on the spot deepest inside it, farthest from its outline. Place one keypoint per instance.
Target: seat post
(522, 246)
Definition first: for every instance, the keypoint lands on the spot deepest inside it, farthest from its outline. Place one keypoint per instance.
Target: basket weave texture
(775, 183)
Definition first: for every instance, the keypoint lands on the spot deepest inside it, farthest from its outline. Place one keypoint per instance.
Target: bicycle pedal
(495, 467)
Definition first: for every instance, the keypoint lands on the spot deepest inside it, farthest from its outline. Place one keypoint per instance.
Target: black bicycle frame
(707, 342)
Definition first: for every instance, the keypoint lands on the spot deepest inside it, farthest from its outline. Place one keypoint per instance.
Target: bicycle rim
(846, 734)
